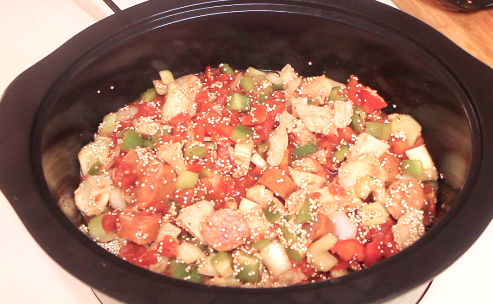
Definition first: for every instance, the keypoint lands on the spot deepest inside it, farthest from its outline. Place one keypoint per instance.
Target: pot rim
(467, 76)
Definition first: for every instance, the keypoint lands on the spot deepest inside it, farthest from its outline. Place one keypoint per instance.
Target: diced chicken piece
(278, 181)
(350, 171)
(146, 126)
(193, 216)
(138, 228)
(409, 229)
(292, 124)
(316, 88)
(305, 137)
(367, 144)
(295, 101)
(296, 198)
(363, 160)
(278, 145)
(391, 165)
(93, 194)
(334, 197)
(180, 97)
(94, 152)
(291, 277)
(189, 252)
(288, 73)
(343, 113)
(307, 180)
(172, 153)
(290, 78)
(317, 119)
(189, 85)
(259, 194)
(305, 165)
(242, 156)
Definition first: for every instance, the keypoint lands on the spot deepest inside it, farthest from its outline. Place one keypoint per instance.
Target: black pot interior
(314, 41)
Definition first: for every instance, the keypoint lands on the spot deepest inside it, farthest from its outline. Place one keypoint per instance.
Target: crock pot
(50, 111)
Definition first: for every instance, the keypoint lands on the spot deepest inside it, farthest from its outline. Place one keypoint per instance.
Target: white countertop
(30, 30)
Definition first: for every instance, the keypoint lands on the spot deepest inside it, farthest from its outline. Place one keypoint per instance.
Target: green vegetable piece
(97, 231)
(312, 102)
(239, 102)
(148, 143)
(379, 130)
(108, 126)
(261, 244)
(205, 173)
(263, 146)
(304, 215)
(249, 267)
(148, 95)
(247, 84)
(433, 184)
(95, 168)
(173, 207)
(294, 255)
(413, 167)
(277, 86)
(194, 276)
(305, 150)
(165, 130)
(131, 140)
(335, 94)
(290, 237)
(358, 119)
(223, 263)
(262, 97)
(226, 69)
(272, 213)
(340, 154)
(186, 179)
(178, 269)
(254, 72)
(194, 150)
(241, 132)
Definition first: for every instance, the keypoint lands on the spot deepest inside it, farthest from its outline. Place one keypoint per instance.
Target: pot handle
(113, 6)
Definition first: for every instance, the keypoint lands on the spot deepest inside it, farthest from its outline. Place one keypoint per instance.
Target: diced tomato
(148, 258)
(349, 249)
(138, 228)
(123, 175)
(167, 247)
(373, 253)
(156, 183)
(325, 144)
(341, 264)
(184, 197)
(398, 146)
(156, 207)
(109, 221)
(353, 86)
(389, 245)
(195, 168)
(347, 134)
(146, 109)
(275, 107)
(372, 99)
(202, 96)
(306, 268)
(337, 190)
(264, 129)
(180, 119)
(199, 131)
(131, 251)
(172, 138)
(138, 254)
(223, 129)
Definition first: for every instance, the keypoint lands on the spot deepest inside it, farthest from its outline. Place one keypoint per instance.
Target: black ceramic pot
(113, 61)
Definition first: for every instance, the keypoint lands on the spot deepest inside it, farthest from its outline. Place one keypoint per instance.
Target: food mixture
(256, 178)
